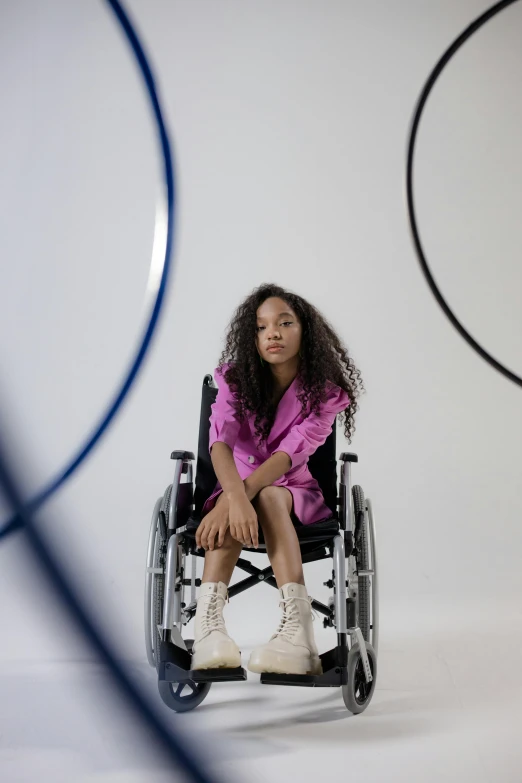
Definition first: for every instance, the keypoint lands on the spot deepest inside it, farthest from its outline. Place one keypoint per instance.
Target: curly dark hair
(252, 381)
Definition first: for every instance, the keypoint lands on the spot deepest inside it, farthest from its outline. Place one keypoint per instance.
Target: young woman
(287, 379)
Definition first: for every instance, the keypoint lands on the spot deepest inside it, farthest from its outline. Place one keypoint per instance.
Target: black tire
(357, 693)
(362, 559)
(183, 698)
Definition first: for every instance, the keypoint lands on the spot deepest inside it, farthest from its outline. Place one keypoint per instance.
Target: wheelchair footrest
(330, 679)
(218, 675)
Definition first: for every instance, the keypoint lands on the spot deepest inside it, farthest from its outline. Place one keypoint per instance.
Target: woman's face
(277, 324)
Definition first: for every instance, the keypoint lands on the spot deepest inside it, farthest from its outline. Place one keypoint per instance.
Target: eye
(284, 323)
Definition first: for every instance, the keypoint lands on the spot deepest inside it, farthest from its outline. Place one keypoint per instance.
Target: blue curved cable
(16, 522)
(177, 749)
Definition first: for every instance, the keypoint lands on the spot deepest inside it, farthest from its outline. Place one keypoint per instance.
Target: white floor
(448, 706)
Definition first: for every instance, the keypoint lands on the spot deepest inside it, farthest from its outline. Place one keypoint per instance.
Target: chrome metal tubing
(374, 579)
(346, 480)
(178, 468)
(149, 576)
(171, 570)
(339, 567)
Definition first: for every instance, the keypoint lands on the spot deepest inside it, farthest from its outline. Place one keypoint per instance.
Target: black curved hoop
(428, 86)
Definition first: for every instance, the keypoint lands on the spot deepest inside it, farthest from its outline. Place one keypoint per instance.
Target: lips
(275, 348)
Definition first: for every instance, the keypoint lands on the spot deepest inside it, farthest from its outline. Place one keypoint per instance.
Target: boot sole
(220, 663)
(278, 666)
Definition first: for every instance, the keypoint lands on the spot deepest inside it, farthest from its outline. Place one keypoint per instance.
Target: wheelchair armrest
(182, 455)
(348, 456)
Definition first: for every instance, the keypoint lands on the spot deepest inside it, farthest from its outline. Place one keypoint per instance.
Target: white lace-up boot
(292, 649)
(213, 648)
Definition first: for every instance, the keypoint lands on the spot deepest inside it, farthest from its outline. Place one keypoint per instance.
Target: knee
(229, 547)
(270, 496)
(273, 502)
(229, 543)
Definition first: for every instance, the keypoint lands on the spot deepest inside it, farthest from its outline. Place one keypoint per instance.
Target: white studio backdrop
(289, 123)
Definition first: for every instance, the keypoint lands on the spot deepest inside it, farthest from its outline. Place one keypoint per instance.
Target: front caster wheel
(183, 696)
(357, 693)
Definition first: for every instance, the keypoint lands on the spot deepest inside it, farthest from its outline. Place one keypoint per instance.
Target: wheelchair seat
(318, 532)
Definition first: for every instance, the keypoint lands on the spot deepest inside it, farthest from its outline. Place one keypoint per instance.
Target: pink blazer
(297, 436)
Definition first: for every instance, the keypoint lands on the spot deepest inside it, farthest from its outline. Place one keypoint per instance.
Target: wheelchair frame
(340, 665)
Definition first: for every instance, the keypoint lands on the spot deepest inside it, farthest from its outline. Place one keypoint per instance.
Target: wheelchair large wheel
(150, 643)
(357, 693)
(185, 696)
(362, 559)
(158, 583)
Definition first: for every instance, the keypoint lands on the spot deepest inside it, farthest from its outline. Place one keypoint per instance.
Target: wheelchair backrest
(322, 464)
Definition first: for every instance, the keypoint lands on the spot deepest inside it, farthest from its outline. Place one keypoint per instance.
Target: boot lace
(212, 619)
(289, 623)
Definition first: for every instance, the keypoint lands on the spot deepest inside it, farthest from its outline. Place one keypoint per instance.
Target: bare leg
(273, 506)
(220, 563)
(292, 649)
(213, 648)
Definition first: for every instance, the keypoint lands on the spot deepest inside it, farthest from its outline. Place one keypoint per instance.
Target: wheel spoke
(362, 689)
(185, 690)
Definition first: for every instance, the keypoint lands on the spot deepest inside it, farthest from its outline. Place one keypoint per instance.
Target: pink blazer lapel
(287, 410)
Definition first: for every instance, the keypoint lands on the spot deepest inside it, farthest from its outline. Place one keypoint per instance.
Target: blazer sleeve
(224, 425)
(303, 439)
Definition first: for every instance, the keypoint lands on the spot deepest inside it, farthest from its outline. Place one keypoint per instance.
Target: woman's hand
(213, 524)
(243, 520)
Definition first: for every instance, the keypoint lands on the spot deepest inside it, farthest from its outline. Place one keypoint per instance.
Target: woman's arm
(224, 429)
(265, 475)
(300, 443)
(225, 469)
(304, 439)
(240, 515)
(294, 449)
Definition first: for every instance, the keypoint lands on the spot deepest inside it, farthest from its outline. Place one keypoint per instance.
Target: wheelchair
(347, 538)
